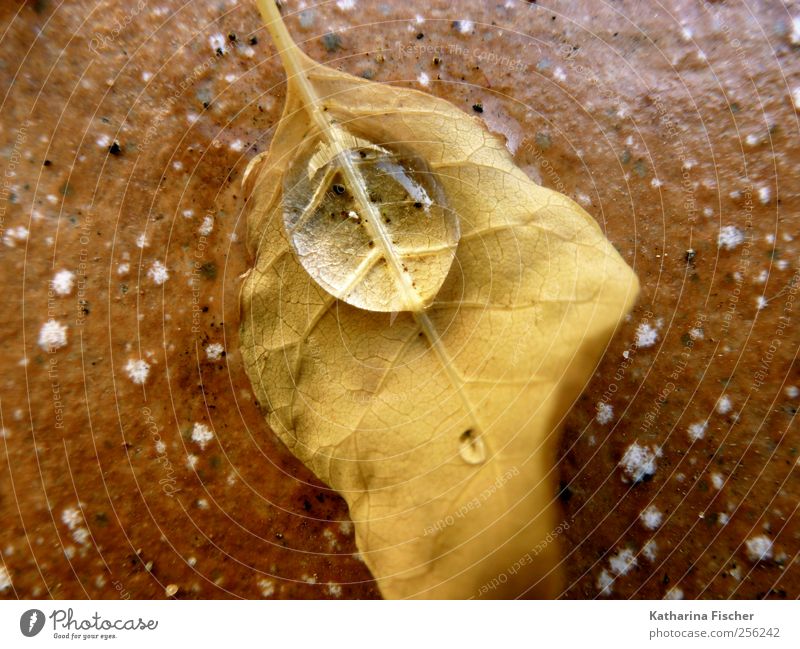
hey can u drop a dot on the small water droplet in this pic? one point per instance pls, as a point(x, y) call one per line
point(471, 447)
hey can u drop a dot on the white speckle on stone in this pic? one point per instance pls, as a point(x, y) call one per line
point(191, 461)
point(345, 5)
point(794, 37)
point(646, 335)
point(123, 269)
point(759, 548)
point(697, 430)
point(333, 542)
point(752, 139)
point(137, 370)
point(656, 183)
point(717, 480)
point(237, 146)
point(792, 391)
point(605, 413)
point(464, 26)
point(5, 579)
point(622, 562)
point(15, 235)
point(346, 527)
point(761, 302)
point(419, 19)
point(423, 79)
point(764, 194)
point(559, 75)
point(796, 98)
point(651, 517)
point(63, 282)
point(674, 593)
point(583, 199)
point(696, 333)
point(267, 587)
point(202, 503)
point(201, 435)
point(52, 335)
point(207, 226)
point(73, 519)
point(686, 34)
point(782, 264)
point(763, 276)
point(724, 405)
point(650, 550)
point(161, 447)
point(81, 535)
point(729, 237)
point(605, 582)
point(217, 42)
point(334, 590)
point(141, 241)
point(146, 76)
point(723, 518)
point(158, 272)
point(639, 462)
point(214, 351)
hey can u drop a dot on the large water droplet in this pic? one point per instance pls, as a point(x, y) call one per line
point(471, 447)
point(384, 245)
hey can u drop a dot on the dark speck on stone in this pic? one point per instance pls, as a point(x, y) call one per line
point(331, 42)
point(232, 37)
point(253, 40)
point(47, 163)
point(564, 493)
point(420, 36)
point(209, 270)
point(115, 149)
point(478, 108)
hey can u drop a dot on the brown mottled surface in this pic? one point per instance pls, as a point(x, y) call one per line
point(665, 123)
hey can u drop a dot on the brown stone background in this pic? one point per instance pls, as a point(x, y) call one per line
point(668, 121)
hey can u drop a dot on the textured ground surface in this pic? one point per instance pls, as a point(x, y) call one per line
point(133, 459)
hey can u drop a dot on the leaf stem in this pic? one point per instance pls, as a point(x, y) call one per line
point(297, 66)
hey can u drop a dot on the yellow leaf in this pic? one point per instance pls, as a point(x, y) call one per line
point(437, 426)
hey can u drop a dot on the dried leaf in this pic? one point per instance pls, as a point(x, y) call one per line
point(439, 426)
